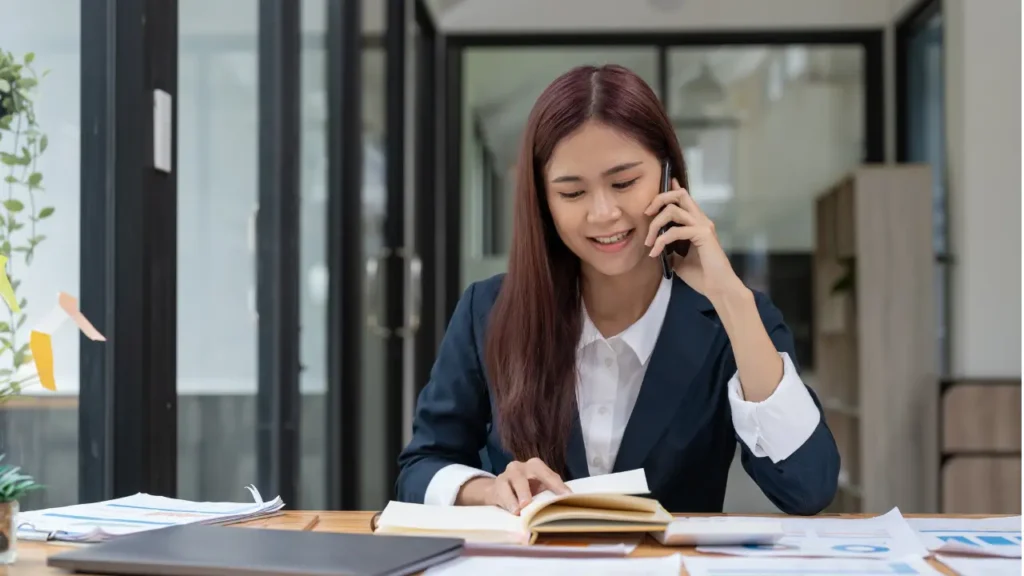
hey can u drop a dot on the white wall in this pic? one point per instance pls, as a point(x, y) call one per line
point(983, 96)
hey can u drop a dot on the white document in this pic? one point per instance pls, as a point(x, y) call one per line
point(99, 521)
point(977, 566)
point(996, 536)
point(711, 566)
point(547, 551)
point(505, 566)
point(720, 531)
point(887, 537)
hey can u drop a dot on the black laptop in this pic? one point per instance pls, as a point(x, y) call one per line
point(194, 550)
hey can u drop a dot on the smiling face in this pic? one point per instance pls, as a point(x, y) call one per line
point(598, 183)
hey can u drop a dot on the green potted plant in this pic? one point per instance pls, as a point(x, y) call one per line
point(13, 486)
point(22, 142)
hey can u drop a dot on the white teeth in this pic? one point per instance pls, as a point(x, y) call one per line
point(612, 239)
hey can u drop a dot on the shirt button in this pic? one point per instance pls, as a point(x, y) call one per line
point(596, 461)
point(602, 410)
point(608, 362)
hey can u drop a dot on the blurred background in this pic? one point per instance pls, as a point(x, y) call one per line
point(340, 171)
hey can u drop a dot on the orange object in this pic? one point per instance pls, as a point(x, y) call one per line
point(42, 354)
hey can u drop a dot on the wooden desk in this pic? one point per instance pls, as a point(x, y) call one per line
point(32, 555)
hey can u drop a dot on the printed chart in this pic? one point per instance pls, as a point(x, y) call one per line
point(706, 566)
point(887, 537)
point(997, 536)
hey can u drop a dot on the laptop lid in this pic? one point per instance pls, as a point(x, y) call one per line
point(194, 550)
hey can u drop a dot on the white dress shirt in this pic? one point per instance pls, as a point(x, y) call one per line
point(611, 371)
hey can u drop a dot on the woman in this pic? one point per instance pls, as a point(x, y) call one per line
point(584, 359)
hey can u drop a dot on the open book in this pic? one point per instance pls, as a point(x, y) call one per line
point(608, 503)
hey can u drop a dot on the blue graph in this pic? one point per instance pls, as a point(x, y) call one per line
point(977, 538)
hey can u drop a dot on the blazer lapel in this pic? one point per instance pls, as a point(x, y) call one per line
point(679, 354)
point(576, 453)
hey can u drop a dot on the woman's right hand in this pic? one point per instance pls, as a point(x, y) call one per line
point(514, 488)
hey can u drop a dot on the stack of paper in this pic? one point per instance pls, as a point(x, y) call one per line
point(708, 566)
point(101, 521)
point(885, 537)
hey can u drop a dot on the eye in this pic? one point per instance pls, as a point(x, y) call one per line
point(625, 185)
point(571, 195)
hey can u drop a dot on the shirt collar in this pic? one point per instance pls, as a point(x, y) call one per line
point(640, 336)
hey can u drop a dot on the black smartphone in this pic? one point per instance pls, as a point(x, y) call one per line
point(680, 247)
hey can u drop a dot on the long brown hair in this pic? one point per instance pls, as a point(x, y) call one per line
point(535, 324)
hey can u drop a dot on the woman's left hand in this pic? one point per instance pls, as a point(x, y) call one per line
point(706, 264)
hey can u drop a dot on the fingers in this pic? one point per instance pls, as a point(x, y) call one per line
point(521, 486)
point(537, 469)
point(506, 498)
point(678, 195)
point(671, 213)
point(671, 235)
point(513, 490)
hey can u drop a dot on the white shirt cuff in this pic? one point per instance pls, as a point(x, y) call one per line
point(445, 485)
point(780, 424)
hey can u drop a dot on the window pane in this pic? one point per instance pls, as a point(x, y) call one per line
point(313, 258)
point(765, 130)
point(217, 194)
point(39, 431)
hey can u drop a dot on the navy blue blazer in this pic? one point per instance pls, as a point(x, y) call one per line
point(680, 431)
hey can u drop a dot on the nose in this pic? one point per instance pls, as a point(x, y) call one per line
point(604, 207)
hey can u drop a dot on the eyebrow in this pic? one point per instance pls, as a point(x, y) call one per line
point(608, 172)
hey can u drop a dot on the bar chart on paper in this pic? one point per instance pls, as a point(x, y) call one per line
point(886, 537)
point(708, 566)
point(996, 536)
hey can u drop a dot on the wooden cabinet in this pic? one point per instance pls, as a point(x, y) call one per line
point(981, 439)
point(875, 337)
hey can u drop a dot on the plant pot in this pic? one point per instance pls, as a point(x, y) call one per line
point(8, 532)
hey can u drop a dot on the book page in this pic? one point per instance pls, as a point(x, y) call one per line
point(632, 482)
point(449, 518)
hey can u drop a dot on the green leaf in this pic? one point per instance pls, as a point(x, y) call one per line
point(34, 179)
point(21, 321)
point(30, 57)
point(36, 239)
point(13, 205)
point(43, 142)
point(5, 248)
point(10, 179)
point(26, 84)
point(5, 86)
point(23, 304)
point(9, 159)
point(4, 327)
point(46, 212)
